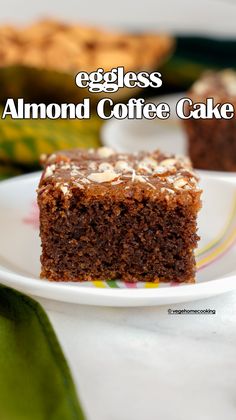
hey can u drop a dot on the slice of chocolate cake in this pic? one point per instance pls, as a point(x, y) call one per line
point(212, 143)
point(107, 215)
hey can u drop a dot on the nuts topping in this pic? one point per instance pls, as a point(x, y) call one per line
point(77, 184)
point(147, 165)
point(64, 188)
point(85, 181)
point(100, 177)
point(168, 190)
point(229, 79)
point(145, 169)
point(93, 166)
point(105, 166)
point(117, 182)
point(160, 170)
point(168, 162)
point(200, 87)
point(49, 171)
point(179, 183)
point(148, 162)
point(51, 158)
point(123, 166)
point(74, 172)
point(105, 152)
point(138, 178)
point(169, 174)
point(65, 166)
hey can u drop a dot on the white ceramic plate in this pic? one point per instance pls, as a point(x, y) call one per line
point(20, 251)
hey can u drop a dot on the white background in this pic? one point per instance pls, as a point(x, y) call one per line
point(202, 16)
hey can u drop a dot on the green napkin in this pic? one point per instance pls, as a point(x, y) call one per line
point(35, 381)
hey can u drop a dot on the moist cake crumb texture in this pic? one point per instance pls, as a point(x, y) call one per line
point(107, 215)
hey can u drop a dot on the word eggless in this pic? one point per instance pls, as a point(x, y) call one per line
point(112, 81)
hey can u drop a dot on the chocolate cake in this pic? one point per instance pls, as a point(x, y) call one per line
point(107, 215)
point(212, 143)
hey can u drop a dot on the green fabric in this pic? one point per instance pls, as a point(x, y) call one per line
point(22, 141)
point(35, 382)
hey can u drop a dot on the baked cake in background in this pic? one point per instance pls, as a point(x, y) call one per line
point(212, 143)
point(50, 50)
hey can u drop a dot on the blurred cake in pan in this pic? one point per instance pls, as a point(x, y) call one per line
point(53, 48)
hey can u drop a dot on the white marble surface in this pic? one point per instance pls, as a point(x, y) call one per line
point(143, 364)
